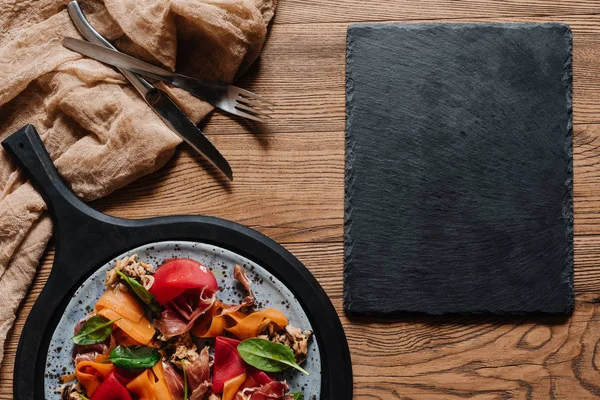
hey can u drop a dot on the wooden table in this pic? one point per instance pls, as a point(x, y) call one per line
point(289, 178)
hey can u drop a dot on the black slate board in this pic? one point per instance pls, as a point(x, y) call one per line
point(459, 169)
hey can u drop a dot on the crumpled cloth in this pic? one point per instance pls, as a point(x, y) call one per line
point(97, 129)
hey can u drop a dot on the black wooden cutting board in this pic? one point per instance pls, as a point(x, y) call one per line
point(459, 169)
point(86, 239)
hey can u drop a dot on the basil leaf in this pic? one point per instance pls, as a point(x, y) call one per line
point(143, 294)
point(297, 396)
point(95, 330)
point(268, 356)
point(134, 357)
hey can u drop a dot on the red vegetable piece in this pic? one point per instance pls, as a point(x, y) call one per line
point(233, 342)
point(228, 363)
point(111, 389)
point(124, 376)
point(178, 275)
point(260, 377)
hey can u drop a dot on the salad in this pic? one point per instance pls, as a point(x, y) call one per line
point(163, 334)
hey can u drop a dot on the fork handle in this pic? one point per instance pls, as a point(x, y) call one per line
point(87, 31)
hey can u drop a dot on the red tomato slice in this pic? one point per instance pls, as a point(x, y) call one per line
point(177, 275)
point(111, 389)
point(228, 363)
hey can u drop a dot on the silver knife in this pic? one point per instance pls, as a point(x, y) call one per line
point(158, 100)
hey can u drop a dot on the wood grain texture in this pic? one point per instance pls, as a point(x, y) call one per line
point(289, 185)
point(286, 186)
point(312, 11)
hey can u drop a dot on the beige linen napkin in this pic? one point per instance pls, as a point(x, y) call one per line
point(99, 132)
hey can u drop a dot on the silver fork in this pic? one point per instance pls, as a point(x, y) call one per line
point(229, 98)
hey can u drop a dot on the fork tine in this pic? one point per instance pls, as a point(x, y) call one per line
point(257, 113)
point(248, 94)
point(254, 108)
point(254, 104)
point(240, 113)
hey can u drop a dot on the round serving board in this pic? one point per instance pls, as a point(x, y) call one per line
point(87, 242)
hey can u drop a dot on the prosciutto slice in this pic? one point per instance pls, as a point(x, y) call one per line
point(174, 381)
point(91, 356)
point(240, 275)
point(271, 391)
point(182, 312)
point(201, 391)
point(198, 372)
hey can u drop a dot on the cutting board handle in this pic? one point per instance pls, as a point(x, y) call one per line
point(26, 147)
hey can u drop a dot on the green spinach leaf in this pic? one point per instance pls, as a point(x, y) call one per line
point(134, 357)
point(268, 356)
point(297, 396)
point(95, 330)
point(143, 294)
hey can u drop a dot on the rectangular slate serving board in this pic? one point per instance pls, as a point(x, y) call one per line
point(459, 169)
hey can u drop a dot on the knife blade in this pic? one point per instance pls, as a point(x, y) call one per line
point(179, 123)
point(158, 100)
